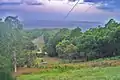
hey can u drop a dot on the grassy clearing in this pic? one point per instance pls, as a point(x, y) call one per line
point(101, 69)
point(108, 73)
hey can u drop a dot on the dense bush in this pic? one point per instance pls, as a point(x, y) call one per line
point(5, 75)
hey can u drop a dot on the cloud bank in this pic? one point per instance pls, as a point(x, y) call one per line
point(109, 5)
point(57, 9)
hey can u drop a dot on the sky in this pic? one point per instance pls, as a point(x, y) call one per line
point(86, 10)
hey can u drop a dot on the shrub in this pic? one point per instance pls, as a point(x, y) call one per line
point(5, 75)
point(38, 61)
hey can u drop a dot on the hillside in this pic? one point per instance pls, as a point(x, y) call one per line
point(39, 42)
point(37, 35)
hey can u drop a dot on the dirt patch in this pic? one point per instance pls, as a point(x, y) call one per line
point(21, 71)
point(50, 60)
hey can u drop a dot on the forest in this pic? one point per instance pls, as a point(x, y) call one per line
point(99, 42)
point(18, 50)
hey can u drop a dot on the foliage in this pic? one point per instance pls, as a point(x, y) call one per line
point(10, 30)
point(59, 36)
point(96, 42)
point(35, 33)
point(5, 75)
point(75, 32)
point(5, 63)
point(65, 47)
point(38, 61)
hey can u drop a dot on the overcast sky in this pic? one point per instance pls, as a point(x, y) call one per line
point(87, 10)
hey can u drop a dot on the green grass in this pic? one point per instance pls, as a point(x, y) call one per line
point(100, 69)
point(108, 73)
point(109, 58)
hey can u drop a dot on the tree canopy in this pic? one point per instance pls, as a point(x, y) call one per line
point(99, 42)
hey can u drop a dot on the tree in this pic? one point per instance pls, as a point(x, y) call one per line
point(65, 47)
point(75, 32)
point(15, 26)
point(53, 41)
point(5, 51)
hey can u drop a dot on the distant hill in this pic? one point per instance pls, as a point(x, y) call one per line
point(59, 24)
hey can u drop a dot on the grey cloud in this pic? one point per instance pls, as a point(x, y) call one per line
point(32, 2)
point(109, 5)
point(10, 2)
point(19, 2)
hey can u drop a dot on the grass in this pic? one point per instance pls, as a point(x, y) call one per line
point(108, 73)
point(101, 69)
point(109, 58)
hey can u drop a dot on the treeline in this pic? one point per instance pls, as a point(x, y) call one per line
point(99, 42)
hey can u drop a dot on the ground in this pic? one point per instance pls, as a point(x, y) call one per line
point(108, 73)
point(33, 70)
point(92, 70)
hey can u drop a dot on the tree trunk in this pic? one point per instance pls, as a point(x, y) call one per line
point(86, 57)
point(15, 62)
